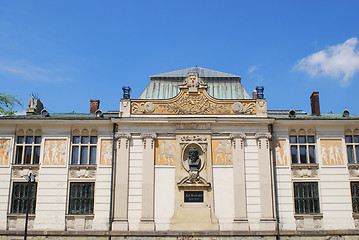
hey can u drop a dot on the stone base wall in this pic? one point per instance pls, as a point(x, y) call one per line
point(177, 235)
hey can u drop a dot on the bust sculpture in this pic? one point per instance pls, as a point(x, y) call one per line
point(194, 163)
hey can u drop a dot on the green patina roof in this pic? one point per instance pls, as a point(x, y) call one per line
point(64, 116)
point(220, 85)
point(305, 116)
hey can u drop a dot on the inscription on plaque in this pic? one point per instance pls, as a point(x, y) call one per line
point(193, 196)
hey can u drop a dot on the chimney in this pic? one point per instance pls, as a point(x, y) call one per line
point(94, 105)
point(255, 94)
point(314, 101)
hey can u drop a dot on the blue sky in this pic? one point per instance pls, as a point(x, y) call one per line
point(69, 52)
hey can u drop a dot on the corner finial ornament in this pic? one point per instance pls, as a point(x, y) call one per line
point(192, 82)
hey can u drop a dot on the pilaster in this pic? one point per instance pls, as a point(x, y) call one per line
point(239, 179)
point(267, 221)
point(148, 179)
point(120, 221)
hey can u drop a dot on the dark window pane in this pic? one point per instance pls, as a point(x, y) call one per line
point(306, 198)
point(38, 140)
point(302, 139)
point(357, 153)
point(19, 197)
point(84, 140)
point(356, 139)
point(27, 155)
point(84, 155)
point(350, 153)
point(29, 140)
point(303, 154)
point(93, 140)
point(312, 154)
point(20, 139)
point(93, 155)
point(355, 196)
point(76, 140)
point(81, 198)
point(75, 155)
point(293, 139)
point(348, 139)
point(294, 152)
point(36, 155)
point(310, 139)
point(18, 157)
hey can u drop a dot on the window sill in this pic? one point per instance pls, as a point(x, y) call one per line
point(19, 215)
point(82, 171)
point(79, 215)
point(301, 215)
point(305, 165)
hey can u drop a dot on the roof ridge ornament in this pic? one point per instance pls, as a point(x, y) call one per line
point(193, 82)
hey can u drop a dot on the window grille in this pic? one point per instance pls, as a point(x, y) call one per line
point(27, 150)
point(355, 196)
point(306, 198)
point(302, 149)
point(84, 150)
point(19, 197)
point(352, 142)
point(81, 199)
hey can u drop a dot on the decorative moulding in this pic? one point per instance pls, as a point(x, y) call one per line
point(240, 135)
point(122, 135)
point(79, 222)
point(82, 171)
point(148, 135)
point(263, 135)
point(305, 170)
point(353, 170)
point(20, 171)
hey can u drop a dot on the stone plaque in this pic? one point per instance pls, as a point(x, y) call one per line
point(193, 196)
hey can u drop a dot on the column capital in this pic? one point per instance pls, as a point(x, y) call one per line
point(263, 135)
point(148, 135)
point(119, 135)
point(240, 135)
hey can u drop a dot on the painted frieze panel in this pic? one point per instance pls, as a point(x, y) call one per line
point(188, 103)
point(222, 153)
point(281, 152)
point(106, 152)
point(55, 152)
point(165, 152)
point(332, 151)
point(5, 148)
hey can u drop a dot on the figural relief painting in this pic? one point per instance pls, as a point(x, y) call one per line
point(165, 152)
point(5, 147)
point(281, 152)
point(222, 152)
point(55, 152)
point(106, 152)
point(332, 151)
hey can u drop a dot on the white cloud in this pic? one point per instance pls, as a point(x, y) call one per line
point(31, 72)
point(339, 62)
point(252, 74)
point(253, 68)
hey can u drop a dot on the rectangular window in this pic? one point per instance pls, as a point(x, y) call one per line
point(84, 150)
point(19, 197)
point(27, 150)
point(306, 198)
point(355, 196)
point(81, 198)
point(352, 142)
point(302, 149)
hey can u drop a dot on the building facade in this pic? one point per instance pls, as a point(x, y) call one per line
point(195, 156)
